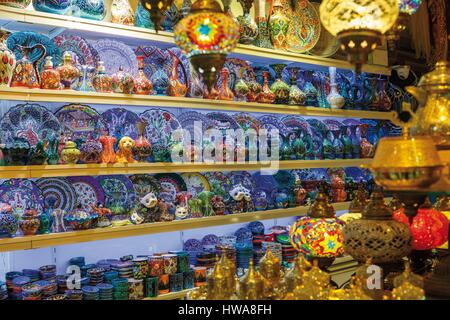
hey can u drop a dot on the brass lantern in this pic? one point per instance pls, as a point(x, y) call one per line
point(206, 35)
point(157, 10)
point(377, 235)
point(359, 25)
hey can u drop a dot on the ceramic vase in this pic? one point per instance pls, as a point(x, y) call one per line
point(263, 38)
point(122, 82)
point(21, 4)
point(278, 26)
point(142, 148)
point(85, 81)
point(29, 223)
point(101, 81)
point(247, 26)
point(121, 12)
point(347, 143)
point(196, 88)
point(225, 93)
point(160, 81)
point(142, 85)
point(367, 149)
point(241, 89)
point(90, 151)
point(254, 90)
point(68, 72)
point(309, 89)
point(296, 95)
point(327, 146)
point(338, 146)
point(70, 154)
point(50, 78)
point(45, 222)
point(175, 88)
point(142, 17)
point(356, 143)
point(384, 102)
point(266, 95)
point(7, 60)
point(8, 221)
point(279, 87)
point(53, 6)
point(25, 73)
point(108, 154)
point(335, 100)
point(89, 9)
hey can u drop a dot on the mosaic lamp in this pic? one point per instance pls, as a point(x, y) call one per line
point(429, 226)
point(359, 25)
point(318, 235)
point(206, 35)
point(157, 10)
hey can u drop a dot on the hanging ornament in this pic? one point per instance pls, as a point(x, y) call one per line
point(157, 10)
point(206, 36)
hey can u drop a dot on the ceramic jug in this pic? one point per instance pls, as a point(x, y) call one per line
point(7, 60)
point(25, 73)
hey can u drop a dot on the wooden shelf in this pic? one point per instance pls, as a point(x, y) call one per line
point(66, 170)
point(63, 238)
point(71, 96)
point(172, 295)
point(53, 24)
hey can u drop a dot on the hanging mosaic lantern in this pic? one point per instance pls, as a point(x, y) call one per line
point(157, 10)
point(206, 36)
point(318, 235)
point(359, 25)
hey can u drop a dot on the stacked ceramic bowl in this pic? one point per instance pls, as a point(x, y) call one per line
point(120, 289)
point(95, 276)
point(31, 291)
point(124, 268)
point(48, 272)
point(34, 275)
point(74, 294)
point(90, 293)
point(17, 284)
point(105, 291)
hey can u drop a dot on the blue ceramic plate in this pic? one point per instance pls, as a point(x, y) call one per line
point(21, 194)
point(256, 227)
point(118, 190)
point(243, 235)
point(88, 190)
point(210, 239)
point(192, 245)
point(121, 122)
point(58, 193)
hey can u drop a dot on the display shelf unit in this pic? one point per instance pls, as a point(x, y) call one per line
point(66, 170)
point(63, 238)
point(53, 24)
point(71, 96)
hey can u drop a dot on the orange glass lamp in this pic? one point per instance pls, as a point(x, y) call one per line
point(429, 227)
point(318, 235)
point(206, 35)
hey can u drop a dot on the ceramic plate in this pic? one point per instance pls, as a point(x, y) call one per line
point(154, 58)
point(82, 53)
point(119, 190)
point(244, 178)
point(58, 193)
point(21, 194)
point(239, 69)
point(144, 184)
point(171, 184)
point(115, 54)
point(271, 122)
point(247, 121)
point(192, 245)
point(294, 123)
point(210, 240)
point(284, 179)
point(80, 122)
point(195, 183)
point(256, 227)
point(223, 121)
point(243, 235)
point(88, 191)
point(265, 182)
point(333, 125)
point(32, 122)
point(161, 124)
point(304, 27)
point(195, 122)
point(327, 44)
point(121, 122)
point(220, 183)
point(30, 39)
